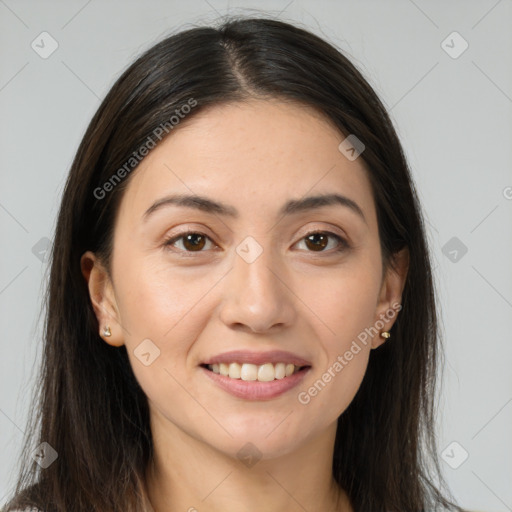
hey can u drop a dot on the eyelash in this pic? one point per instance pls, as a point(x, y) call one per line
point(342, 243)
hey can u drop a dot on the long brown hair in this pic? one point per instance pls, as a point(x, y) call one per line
point(89, 406)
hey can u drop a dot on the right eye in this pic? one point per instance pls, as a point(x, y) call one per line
point(191, 241)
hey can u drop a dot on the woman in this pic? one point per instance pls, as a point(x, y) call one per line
point(241, 313)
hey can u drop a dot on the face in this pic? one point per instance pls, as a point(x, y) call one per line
point(257, 272)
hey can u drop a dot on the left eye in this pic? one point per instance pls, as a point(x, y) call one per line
point(318, 241)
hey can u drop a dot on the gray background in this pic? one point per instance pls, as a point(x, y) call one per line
point(453, 116)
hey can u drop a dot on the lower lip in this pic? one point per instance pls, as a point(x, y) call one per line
point(254, 389)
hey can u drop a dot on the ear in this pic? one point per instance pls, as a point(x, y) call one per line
point(103, 299)
point(390, 297)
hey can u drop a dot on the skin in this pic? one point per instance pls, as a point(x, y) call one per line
point(252, 156)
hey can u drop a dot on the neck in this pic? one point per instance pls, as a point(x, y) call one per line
point(190, 475)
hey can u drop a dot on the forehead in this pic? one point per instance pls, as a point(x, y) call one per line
point(254, 155)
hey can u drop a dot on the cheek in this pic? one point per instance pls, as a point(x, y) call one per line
point(330, 389)
point(162, 315)
point(344, 300)
point(346, 304)
point(155, 301)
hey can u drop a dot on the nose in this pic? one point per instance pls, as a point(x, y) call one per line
point(257, 296)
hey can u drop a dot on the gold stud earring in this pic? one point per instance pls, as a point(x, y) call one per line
point(106, 331)
point(385, 334)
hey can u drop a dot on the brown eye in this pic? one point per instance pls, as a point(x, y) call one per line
point(320, 240)
point(190, 242)
point(317, 241)
point(194, 242)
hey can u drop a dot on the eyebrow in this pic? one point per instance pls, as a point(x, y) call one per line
point(291, 207)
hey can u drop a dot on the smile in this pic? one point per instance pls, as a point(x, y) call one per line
point(255, 382)
point(249, 372)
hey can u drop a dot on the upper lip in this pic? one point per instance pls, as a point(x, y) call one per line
point(258, 358)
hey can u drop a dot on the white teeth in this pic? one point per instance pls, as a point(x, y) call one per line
point(263, 373)
point(266, 372)
point(234, 370)
point(249, 372)
point(280, 370)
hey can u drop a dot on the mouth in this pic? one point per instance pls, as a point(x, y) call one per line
point(251, 381)
point(248, 372)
